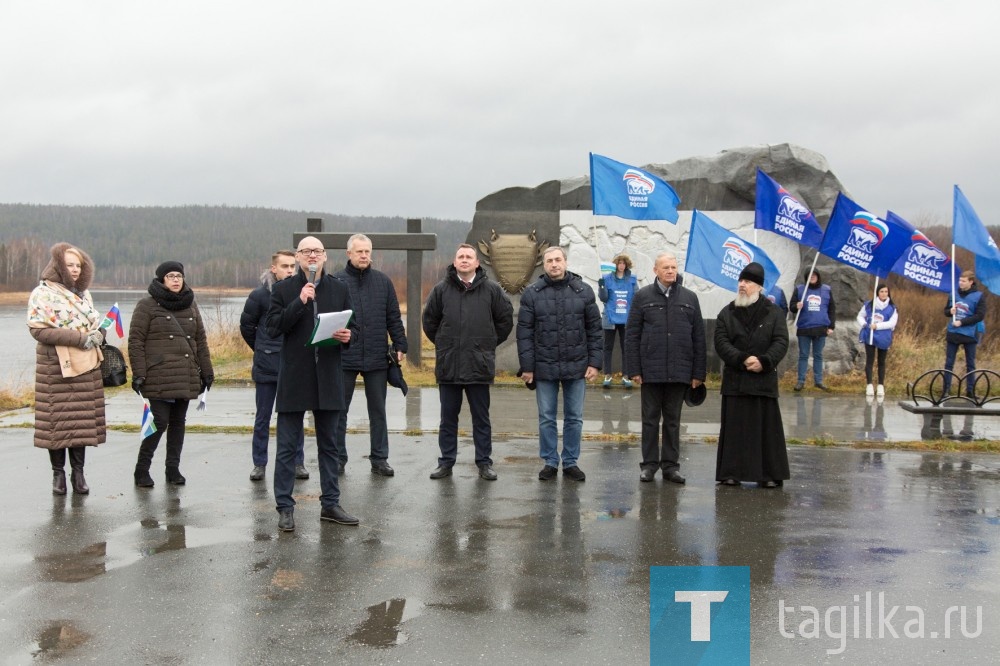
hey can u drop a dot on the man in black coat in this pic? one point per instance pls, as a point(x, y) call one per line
point(309, 378)
point(266, 352)
point(467, 316)
point(376, 312)
point(665, 354)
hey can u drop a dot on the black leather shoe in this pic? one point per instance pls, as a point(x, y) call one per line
point(441, 472)
point(548, 473)
point(729, 482)
point(286, 520)
point(382, 468)
point(647, 474)
point(58, 482)
point(301, 472)
point(574, 473)
point(257, 473)
point(335, 514)
point(486, 472)
point(674, 477)
point(823, 387)
point(142, 478)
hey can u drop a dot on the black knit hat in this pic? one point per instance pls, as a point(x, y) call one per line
point(753, 272)
point(169, 267)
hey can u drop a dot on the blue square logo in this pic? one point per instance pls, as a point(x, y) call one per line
point(699, 615)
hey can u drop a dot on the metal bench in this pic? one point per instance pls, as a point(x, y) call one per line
point(938, 394)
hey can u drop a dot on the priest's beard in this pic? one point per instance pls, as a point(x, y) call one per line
point(746, 300)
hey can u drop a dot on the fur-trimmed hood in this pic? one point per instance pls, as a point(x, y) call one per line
point(267, 279)
point(56, 270)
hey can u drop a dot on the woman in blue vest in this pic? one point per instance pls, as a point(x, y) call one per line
point(965, 315)
point(816, 321)
point(616, 291)
point(877, 320)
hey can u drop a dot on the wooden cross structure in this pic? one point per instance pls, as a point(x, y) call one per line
point(414, 242)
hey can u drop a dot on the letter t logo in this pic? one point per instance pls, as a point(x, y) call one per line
point(701, 610)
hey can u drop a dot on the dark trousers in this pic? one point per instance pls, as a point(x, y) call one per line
point(77, 456)
point(609, 346)
point(170, 416)
point(950, 353)
point(870, 353)
point(266, 392)
point(662, 400)
point(478, 396)
point(289, 435)
point(376, 382)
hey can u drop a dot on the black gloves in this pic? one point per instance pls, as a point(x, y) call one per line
point(600, 282)
point(206, 382)
point(137, 383)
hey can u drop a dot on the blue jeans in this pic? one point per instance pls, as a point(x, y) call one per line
point(478, 396)
point(289, 434)
point(950, 352)
point(376, 382)
point(817, 345)
point(547, 397)
point(266, 391)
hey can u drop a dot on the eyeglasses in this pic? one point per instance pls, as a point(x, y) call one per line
point(173, 276)
point(312, 252)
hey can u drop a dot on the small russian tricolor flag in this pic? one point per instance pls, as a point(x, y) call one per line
point(114, 315)
point(148, 426)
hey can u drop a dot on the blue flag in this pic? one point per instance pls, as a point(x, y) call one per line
point(780, 212)
point(858, 238)
point(970, 232)
point(924, 262)
point(631, 193)
point(719, 255)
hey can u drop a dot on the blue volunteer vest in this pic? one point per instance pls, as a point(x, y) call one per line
point(883, 338)
point(815, 307)
point(966, 307)
point(620, 293)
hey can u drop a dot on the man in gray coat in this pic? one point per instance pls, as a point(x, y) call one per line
point(665, 355)
point(467, 316)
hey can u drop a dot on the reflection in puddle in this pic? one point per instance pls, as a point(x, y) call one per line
point(56, 639)
point(125, 546)
point(381, 628)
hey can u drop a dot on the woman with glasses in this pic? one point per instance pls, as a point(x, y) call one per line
point(168, 351)
point(69, 392)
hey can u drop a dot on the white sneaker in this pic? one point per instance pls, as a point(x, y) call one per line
point(881, 391)
point(607, 380)
point(870, 390)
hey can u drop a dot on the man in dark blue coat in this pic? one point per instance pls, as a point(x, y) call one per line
point(376, 312)
point(467, 316)
point(309, 378)
point(665, 355)
point(559, 345)
point(266, 352)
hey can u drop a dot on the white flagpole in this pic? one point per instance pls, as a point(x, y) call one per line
point(954, 285)
point(871, 320)
point(805, 289)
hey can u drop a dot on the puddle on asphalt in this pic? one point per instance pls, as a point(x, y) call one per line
point(53, 642)
point(126, 546)
point(382, 626)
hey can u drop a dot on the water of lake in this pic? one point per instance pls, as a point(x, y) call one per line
point(17, 361)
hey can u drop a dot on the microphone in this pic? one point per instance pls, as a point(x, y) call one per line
point(312, 275)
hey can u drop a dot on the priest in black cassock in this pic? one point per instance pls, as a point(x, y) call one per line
point(751, 337)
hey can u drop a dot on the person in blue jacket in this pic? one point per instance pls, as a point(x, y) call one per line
point(816, 321)
point(777, 296)
point(616, 291)
point(877, 320)
point(968, 310)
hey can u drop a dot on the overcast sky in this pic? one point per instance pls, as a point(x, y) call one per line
point(420, 109)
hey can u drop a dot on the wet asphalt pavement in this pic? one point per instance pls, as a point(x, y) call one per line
point(519, 571)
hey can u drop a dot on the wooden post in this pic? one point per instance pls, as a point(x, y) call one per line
point(414, 301)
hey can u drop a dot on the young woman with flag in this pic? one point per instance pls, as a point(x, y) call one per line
point(616, 290)
point(69, 391)
point(877, 319)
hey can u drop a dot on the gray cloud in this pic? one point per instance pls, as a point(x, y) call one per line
point(420, 109)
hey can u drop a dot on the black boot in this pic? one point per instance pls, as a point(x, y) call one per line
point(58, 459)
point(175, 477)
point(145, 459)
point(77, 455)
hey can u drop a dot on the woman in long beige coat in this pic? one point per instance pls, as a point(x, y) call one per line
point(69, 392)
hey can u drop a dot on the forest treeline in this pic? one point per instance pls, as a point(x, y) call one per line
point(220, 246)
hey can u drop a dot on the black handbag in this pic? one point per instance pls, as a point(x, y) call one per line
point(113, 368)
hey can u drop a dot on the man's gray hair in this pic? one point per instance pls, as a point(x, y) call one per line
point(665, 255)
point(555, 248)
point(358, 237)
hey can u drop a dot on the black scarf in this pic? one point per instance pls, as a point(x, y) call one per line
point(169, 300)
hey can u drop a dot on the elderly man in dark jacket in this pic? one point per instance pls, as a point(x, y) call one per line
point(665, 354)
point(376, 312)
point(467, 316)
point(309, 378)
point(559, 343)
point(751, 338)
point(266, 352)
